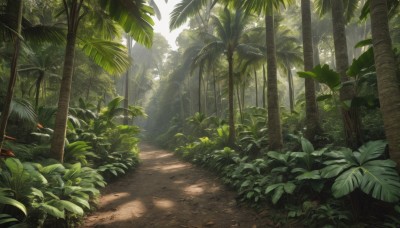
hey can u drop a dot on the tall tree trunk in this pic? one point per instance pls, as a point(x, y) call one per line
point(291, 89)
point(60, 126)
point(38, 84)
point(231, 139)
point(256, 85)
point(239, 103)
point(351, 118)
point(215, 91)
point(126, 101)
point(274, 122)
point(243, 95)
point(199, 91)
point(264, 87)
point(388, 83)
point(312, 118)
point(15, 8)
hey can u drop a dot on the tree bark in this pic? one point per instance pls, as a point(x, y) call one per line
point(231, 139)
point(16, 8)
point(274, 122)
point(388, 83)
point(126, 101)
point(312, 118)
point(60, 127)
point(215, 91)
point(199, 89)
point(291, 89)
point(256, 85)
point(351, 118)
point(264, 87)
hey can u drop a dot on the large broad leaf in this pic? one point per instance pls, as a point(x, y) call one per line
point(323, 74)
point(109, 55)
point(134, 16)
point(14, 203)
point(381, 180)
point(347, 182)
point(365, 61)
point(371, 150)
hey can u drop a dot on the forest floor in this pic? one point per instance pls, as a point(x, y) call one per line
point(167, 192)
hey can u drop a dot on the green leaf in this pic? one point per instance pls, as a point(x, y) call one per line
point(381, 180)
point(306, 146)
point(277, 194)
point(347, 182)
point(15, 166)
point(52, 210)
point(289, 187)
point(371, 150)
point(109, 55)
point(323, 74)
point(14, 203)
point(359, 65)
point(334, 170)
point(80, 201)
point(272, 187)
point(133, 16)
point(71, 207)
point(312, 175)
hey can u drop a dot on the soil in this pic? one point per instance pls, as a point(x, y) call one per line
point(167, 192)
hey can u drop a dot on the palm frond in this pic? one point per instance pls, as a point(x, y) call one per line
point(109, 55)
point(183, 10)
point(134, 16)
point(44, 33)
point(23, 110)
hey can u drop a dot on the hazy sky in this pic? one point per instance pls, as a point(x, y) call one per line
point(163, 25)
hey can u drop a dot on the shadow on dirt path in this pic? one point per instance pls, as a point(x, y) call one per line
point(166, 192)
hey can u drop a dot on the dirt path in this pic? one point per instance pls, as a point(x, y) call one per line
point(166, 192)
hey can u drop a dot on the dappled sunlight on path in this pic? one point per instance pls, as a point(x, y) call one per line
point(166, 192)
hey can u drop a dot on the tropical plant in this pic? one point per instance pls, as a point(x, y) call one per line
point(364, 169)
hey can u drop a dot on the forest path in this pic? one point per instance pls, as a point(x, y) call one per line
point(167, 192)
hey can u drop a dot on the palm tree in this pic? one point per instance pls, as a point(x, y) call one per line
point(132, 15)
point(274, 123)
point(351, 118)
point(388, 83)
point(14, 8)
point(312, 118)
point(343, 11)
point(229, 28)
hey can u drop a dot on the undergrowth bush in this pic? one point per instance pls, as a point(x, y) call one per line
point(313, 187)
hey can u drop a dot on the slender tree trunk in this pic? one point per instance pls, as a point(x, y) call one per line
point(60, 127)
point(312, 118)
point(388, 83)
point(256, 85)
point(239, 103)
point(264, 87)
point(243, 95)
point(126, 101)
point(351, 118)
point(17, 8)
point(199, 91)
point(291, 89)
point(231, 121)
point(215, 91)
point(274, 122)
point(37, 92)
